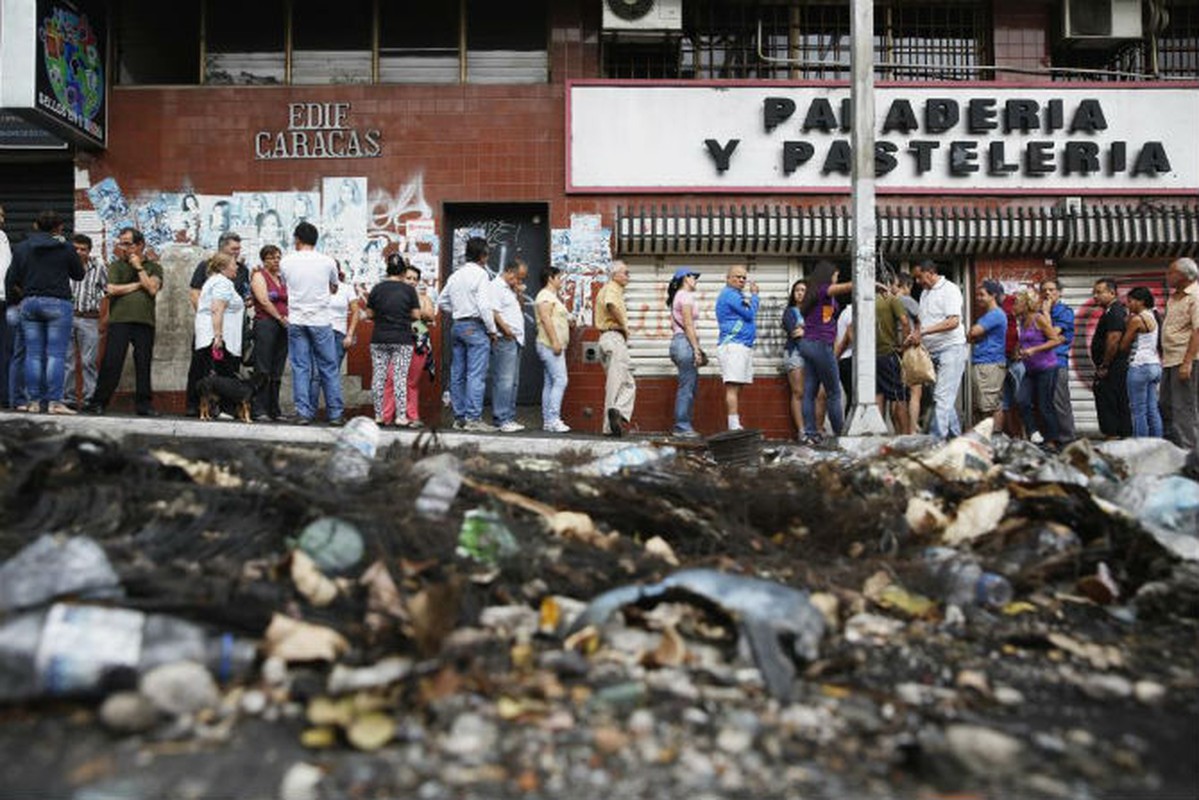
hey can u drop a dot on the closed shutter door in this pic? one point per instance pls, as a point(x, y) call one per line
point(29, 187)
point(1077, 281)
point(649, 318)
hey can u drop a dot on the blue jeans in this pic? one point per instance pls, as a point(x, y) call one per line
point(1039, 385)
point(314, 390)
point(683, 356)
point(17, 396)
point(309, 344)
point(951, 366)
point(505, 379)
point(820, 369)
point(468, 370)
point(554, 387)
point(46, 326)
point(1143, 382)
point(1011, 384)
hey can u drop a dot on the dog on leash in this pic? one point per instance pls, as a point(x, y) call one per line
point(216, 389)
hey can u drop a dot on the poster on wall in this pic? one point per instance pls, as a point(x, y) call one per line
point(71, 81)
point(344, 224)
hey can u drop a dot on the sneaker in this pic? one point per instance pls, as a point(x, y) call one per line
point(263, 418)
point(459, 424)
point(689, 433)
point(557, 426)
point(511, 426)
point(478, 426)
point(337, 422)
point(303, 420)
point(93, 408)
point(225, 416)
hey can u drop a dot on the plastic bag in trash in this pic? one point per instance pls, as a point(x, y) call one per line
point(1167, 507)
point(50, 568)
point(765, 614)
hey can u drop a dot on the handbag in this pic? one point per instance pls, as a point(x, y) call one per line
point(916, 366)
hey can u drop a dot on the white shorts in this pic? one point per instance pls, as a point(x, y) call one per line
point(736, 363)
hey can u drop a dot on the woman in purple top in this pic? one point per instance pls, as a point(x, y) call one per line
point(819, 310)
point(1038, 338)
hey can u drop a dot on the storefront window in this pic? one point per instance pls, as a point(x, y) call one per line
point(244, 43)
point(331, 42)
point(153, 47)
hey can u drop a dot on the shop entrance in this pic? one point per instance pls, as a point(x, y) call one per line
point(513, 230)
point(28, 187)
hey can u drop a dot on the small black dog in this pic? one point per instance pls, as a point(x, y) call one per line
point(216, 389)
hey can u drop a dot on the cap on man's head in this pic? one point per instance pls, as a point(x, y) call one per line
point(683, 272)
point(994, 288)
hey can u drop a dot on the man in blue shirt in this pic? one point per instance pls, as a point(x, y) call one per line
point(736, 310)
point(1062, 317)
point(988, 360)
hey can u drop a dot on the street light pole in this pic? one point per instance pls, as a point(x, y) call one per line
point(864, 416)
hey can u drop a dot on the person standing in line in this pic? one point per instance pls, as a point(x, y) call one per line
point(736, 320)
point(270, 332)
point(467, 299)
point(508, 345)
point(819, 310)
point(915, 392)
point(942, 332)
point(228, 244)
point(553, 334)
point(393, 304)
point(133, 286)
point(988, 357)
point(1111, 366)
point(87, 297)
point(891, 327)
point(1180, 349)
point(1144, 364)
point(685, 351)
point(1038, 339)
point(612, 319)
point(1062, 317)
point(422, 348)
point(343, 317)
point(219, 324)
point(843, 352)
point(41, 272)
point(311, 278)
point(6, 332)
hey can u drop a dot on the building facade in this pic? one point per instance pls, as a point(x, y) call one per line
point(1016, 141)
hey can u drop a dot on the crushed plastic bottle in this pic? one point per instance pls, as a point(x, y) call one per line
point(354, 451)
point(71, 649)
point(485, 538)
point(443, 473)
point(49, 568)
point(626, 458)
point(960, 581)
point(333, 544)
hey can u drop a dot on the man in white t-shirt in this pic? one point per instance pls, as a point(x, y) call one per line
point(510, 341)
point(942, 332)
point(467, 297)
point(311, 279)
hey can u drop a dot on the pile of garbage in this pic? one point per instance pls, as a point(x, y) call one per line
point(894, 617)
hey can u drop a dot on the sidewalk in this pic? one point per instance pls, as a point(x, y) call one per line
point(529, 442)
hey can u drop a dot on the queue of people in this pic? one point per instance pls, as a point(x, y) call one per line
point(297, 309)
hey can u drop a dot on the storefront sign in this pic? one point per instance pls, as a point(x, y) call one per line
point(977, 139)
point(53, 66)
point(318, 130)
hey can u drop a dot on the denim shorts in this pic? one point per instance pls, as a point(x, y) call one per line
point(792, 360)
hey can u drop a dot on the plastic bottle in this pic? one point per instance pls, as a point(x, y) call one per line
point(485, 538)
point(444, 473)
point(49, 568)
point(633, 457)
point(354, 451)
point(70, 649)
point(959, 579)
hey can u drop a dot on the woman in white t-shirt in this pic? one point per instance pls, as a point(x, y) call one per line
point(1144, 364)
point(220, 314)
point(685, 351)
point(553, 335)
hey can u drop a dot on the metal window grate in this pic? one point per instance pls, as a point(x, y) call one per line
point(941, 41)
point(1178, 44)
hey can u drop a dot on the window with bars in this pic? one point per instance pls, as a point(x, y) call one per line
point(1173, 52)
point(810, 40)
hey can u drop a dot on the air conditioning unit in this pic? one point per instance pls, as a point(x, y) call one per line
point(1101, 20)
point(643, 15)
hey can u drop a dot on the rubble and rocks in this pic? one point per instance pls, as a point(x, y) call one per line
point(453, 625)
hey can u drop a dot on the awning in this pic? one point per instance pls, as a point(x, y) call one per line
point(1149, 230)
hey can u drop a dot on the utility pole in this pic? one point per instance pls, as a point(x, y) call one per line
point(864, 416)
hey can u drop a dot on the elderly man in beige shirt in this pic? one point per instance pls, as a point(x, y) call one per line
point(612, 319)
point(1180, 349)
